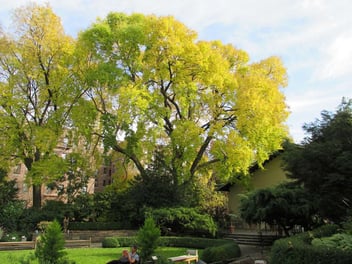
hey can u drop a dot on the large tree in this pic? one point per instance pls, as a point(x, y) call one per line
point(156, 87)
point(323, 163)
point(37, 93)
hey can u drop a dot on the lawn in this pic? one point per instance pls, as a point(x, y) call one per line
point(86, 255)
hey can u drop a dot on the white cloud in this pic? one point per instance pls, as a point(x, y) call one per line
point(337, 59)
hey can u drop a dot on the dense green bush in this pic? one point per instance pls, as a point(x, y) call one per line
point(227, 251)
point(113, 242)
point(339, 241)
point(183, 220)
point(298, 249)
point(168, 241)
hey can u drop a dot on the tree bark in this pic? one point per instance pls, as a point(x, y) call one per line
point(37, 196)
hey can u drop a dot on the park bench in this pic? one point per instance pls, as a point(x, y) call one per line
point(191, 255)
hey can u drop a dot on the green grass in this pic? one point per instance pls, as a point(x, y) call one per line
point(87, 255)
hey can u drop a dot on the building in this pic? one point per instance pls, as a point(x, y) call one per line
point(272, 175)
point(25, 190)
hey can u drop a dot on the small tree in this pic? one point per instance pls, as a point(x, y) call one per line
point(50, 246)
point(147, 238)
point(286, 205)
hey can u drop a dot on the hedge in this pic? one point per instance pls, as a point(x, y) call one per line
point(169, 241)
point(96, 226)
point(225, 252)
point(214, 249)
point(298, 249)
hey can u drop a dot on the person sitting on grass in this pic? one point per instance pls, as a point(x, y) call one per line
point(127, 257)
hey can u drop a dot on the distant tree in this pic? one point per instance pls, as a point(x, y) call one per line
point(75, 180)
point(323, 163)
point(285, 205)
point(37, 94)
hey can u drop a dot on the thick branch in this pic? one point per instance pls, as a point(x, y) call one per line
point(200, 154)
point(130, 156)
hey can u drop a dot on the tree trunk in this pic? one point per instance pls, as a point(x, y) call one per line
point(37, 196)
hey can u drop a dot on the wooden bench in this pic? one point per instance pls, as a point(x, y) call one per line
point(17, 245)
point(191, 255)
point(78, 243)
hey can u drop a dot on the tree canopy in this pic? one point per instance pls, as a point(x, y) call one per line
point(38, 93)
point(155, 86)
point(323, 163)
point(140, 84)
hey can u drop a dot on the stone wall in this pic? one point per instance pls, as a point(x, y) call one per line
point(97, 236)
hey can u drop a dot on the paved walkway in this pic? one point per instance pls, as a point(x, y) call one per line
point(251, 253)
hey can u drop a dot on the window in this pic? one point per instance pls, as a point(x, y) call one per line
point(25, 187)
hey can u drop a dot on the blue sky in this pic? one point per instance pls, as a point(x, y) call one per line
point(312, 37)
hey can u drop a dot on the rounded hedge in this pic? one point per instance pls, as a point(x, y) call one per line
point(298, 249)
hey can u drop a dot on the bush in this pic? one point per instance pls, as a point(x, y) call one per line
point(11, 237)
point(10, 214)
point(50, 246)
point(339, 241)
point(298, 249)
point(113, 242)
point(183, 220)
point(167, 241)
point(224, 252)
point(147, 238)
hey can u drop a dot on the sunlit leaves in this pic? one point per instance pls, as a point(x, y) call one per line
point(202, 102)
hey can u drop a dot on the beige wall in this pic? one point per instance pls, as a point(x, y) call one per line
point(270, 176)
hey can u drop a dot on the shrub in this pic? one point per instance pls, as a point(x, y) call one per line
point(11, 237)
point(340, 241)
point(10, 214)
point(50, 246)
point(298, 249)
point(112, 242)
point(224, 252)
point(182, 220)
point(168, 241)
point(147, 238)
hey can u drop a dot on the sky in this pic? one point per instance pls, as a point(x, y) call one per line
point(312, 37)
